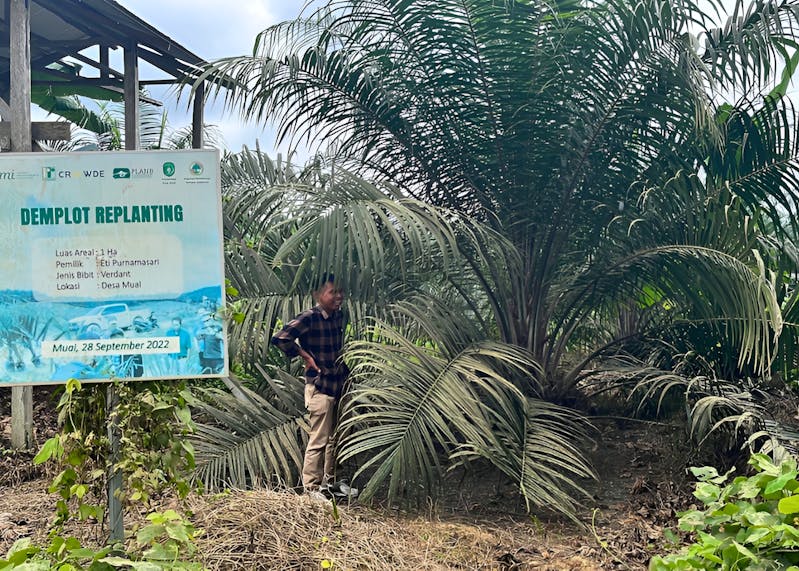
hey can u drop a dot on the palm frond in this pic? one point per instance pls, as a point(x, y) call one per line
point(759, 151)
point(541, 448)
point(415, 403)
point(737, 300)
point(744, 50)
point(247, 441)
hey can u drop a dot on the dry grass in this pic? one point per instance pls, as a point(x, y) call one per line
point(27, 510)
point(276, 530)
point(472, 529)
point(262, 530)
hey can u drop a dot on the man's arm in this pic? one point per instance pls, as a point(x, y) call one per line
point(287, 340)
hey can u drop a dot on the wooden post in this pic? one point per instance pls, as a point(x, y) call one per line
point(20, 96)
point(131, 97)
point(104, 61)
point(22, 417)
point(116, 523)
point(20, 76)
point(197, 131)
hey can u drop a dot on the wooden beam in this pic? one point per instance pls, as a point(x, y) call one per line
point(159, 81)
point(101, 66)
point(104, 63)
point(40, 131)
point(20, 76)
point(198, 117)
point(20, 80)
point(109, 82)
point(131, 97)
point(165, 64)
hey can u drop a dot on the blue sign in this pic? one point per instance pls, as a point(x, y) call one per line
point(111, 266)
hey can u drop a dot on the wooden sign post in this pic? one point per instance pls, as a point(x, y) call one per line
point(21, 141)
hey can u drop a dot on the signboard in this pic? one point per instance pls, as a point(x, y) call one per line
point(111, 266)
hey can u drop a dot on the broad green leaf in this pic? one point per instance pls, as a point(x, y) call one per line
point(178, 532)
point(749, 489)
point(51, 448)
point(746, 552)
point(159, 552)
point(778, 483)
point(705, 473)
point(789, 505)
point(149, 533)
point(707, 492)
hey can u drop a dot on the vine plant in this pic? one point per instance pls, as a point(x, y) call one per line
point(153, 419)
point(751, 522)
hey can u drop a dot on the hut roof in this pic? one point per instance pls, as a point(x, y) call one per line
point(64, 28)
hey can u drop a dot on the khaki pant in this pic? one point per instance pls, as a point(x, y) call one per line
point(319, 463)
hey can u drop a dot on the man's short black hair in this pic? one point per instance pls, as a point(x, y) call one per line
point(327, 278)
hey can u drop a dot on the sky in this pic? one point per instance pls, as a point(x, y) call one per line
point(212, 29)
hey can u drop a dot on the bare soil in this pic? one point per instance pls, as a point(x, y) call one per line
point(480, 523)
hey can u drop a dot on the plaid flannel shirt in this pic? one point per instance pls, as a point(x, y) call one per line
point(322, 336)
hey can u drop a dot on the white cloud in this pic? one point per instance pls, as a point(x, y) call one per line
point(212, 28)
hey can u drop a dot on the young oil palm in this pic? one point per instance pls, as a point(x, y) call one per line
point(518, 136)
point(542, 120)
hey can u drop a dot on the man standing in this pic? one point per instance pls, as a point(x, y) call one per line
point(183, 336)
point(317, 335)
point(125, 366)
point(211, 344)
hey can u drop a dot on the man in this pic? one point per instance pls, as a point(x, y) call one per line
point(184, 343)
point(317, 335)
point(211, 345)
point(178, 331)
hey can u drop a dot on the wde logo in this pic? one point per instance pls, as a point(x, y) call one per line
point(168, 169)
point(121, 173)
point(196, 169)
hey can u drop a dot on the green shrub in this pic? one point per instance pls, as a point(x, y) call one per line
point(750, 523)
point(154, 455)
point(162, 545)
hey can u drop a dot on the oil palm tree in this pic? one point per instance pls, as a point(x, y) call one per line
point(525, 135)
